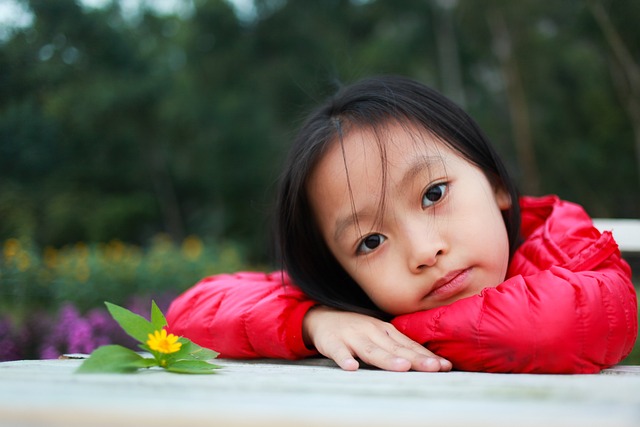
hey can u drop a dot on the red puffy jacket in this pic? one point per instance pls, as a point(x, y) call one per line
point(567, 306)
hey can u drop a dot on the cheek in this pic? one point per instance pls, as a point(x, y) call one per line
point(490, 243)
point(379, 285)
point(501, 252)
point(390, 292)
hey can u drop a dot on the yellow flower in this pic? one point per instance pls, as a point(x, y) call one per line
point(83, 272)
point(163, 343)
point(11, 248)
point(192, 248)
point(50, 257)
point(115, 250)
point(24, 261)
point(82, 250)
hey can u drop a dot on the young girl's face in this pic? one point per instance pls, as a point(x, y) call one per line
point(438, 237)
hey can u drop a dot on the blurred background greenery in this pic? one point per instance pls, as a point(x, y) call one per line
point(135, 135)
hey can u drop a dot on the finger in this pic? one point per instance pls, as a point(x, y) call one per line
point(340, 354)
point(431, 364)
point(420, 357)
point(375, 355)
point(348, 364)
point(404, 341)
point(418, 361)
point(344, 353)
point(377, 348)
point(422, 362)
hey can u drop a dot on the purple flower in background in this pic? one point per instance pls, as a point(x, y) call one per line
point(9, 346)
point(47, 335)
point(73, 333)
point(141, 304)
point(56, 342)
point(37, 326)
point(104, 328)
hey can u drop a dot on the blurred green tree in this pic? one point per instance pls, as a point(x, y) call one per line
point(115, 125)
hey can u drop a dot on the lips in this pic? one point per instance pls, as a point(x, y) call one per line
point(450, 284)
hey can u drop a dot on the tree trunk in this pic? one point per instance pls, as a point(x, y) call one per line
point(448, 53)
point(158, 169)
point(626, 75)
point(517, 102)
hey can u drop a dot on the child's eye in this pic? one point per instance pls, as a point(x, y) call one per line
point(434, 194)
point(370, 243)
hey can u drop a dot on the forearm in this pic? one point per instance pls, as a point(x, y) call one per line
point(247, 315)
point(554, 322)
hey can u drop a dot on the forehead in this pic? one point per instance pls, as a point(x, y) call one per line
point(357, 175)
point(371, 153)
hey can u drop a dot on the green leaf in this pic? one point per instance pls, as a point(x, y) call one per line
point(203, 353)
point(192, 367)
point(190, 359)
point(191, 350)
point(114, 359)
point(157, 318)
point(134, 325)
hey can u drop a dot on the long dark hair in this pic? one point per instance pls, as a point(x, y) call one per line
point(368, 104)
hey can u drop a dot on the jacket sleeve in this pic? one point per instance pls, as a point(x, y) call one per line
point(244, 315)
point(577, 318)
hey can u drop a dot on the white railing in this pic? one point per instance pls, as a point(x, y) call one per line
point(625, 231)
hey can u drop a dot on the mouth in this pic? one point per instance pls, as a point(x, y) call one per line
point(450, 284)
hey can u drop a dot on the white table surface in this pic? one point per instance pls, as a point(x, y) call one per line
point(311, 393)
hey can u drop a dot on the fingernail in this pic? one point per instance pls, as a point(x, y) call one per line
point(350, 364)
point(445, 364)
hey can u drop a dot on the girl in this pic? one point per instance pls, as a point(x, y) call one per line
point(405, 245)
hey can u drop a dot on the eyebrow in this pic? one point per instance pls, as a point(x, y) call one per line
point(344, 223)
point(417, 166)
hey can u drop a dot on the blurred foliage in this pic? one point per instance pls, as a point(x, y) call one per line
point(122, 126)
point(52, 298)
point(87, 275)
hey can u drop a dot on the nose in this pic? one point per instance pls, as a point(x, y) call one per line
point(425, 245)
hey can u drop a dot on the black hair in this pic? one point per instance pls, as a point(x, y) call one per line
point(371, 103)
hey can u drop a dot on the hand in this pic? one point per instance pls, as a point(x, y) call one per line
point(342, 336)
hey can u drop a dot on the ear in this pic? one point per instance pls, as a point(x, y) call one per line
point(503, 199)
